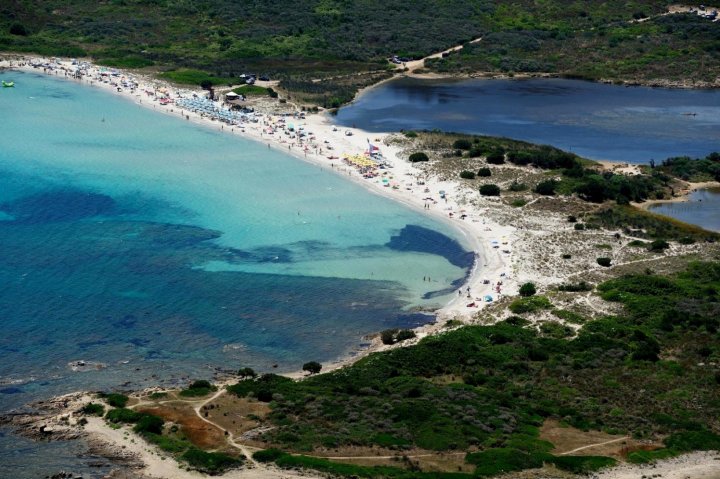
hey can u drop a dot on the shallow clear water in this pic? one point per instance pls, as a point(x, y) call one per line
point(598, 121)
point(163, 250)
point(702, 209)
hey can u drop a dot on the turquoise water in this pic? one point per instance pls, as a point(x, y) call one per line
point(702, 209)
point(598, 121)
point(164, 250)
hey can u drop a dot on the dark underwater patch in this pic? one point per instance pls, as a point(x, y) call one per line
point(424, 240)
point(58, 206)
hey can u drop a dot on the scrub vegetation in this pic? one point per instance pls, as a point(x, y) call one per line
point(508, 378)
point(323, 51)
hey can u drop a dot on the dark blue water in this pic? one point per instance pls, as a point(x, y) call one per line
point(702, 209)
point(598, 121)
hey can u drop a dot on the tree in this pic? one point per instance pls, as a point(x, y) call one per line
point(313, 367)
point(419, 156)
point(206, 85)
point(490, 190)
point(246, 373)
point(527, 289)
point(485, 172)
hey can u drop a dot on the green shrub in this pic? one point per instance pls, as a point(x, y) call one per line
point(198, 388)
point(579, 226)
point(546, 188)
point(246, 373)
point(388, 336)
point(693, 441)
point(123, 415)
point(313, 367)
point(530, 305)
point(490, 190)
point(467, 175)
point(605, 262)
point(643, 457)
point(268, 455)
point(210, 462)
point(484, 172)
point(503, 460)
point(496, 158)
point(569, 316)
point(419, 156)
point(166, 443)
point(515, 186)
point(528, 289)
point(658, 245)
point(158, 395)
point(462, 144)
point(115, 399)
point(582, 464)
point(410, 134)
point(518, 203)
point(93, 409)
point(638, 244)
point(404, 334)
point(149, 423)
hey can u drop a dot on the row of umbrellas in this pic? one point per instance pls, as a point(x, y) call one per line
point(209, 108)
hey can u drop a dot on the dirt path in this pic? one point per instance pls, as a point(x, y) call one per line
point(418, 64)
point(589, 446)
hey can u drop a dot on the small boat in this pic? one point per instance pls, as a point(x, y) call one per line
point(8, 84)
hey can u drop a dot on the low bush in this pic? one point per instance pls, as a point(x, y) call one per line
point(123, 415)
point(546, 188)
point(490, 190)
point(462, 144)
point(582, 464)
point(467, 175)
point(604, 262)
point(210, 462)
point(515, 186)
point(658, 245)
point(93, 409)
point(115, 399)
point(149, 424)
point(268, 455)
point(418, 157)
point(530, 305)
point(528, 289)
point(198, 388)
point(484, 172)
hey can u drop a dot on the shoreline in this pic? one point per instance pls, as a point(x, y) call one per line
point(411, 195)
point(477, 233)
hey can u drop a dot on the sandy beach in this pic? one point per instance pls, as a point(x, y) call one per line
point(481, 228)
point(478, 232)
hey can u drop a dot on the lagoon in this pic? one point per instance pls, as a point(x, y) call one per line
point(598, 121)
point(702, 208)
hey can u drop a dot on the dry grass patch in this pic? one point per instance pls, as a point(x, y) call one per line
point(237, 415)
point(197, 431)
